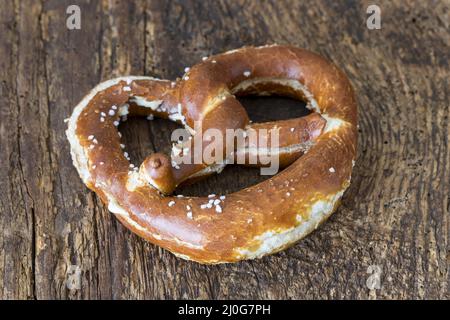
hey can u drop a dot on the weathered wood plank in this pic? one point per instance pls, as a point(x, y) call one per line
point(16, 204)
point(58, 240)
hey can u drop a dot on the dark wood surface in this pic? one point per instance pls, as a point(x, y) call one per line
point(58, 241)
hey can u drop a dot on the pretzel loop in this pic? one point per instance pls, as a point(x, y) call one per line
point(232, 227)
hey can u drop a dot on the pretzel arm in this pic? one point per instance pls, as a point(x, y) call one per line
point(295, 138)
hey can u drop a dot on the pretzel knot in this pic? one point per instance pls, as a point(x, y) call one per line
point(320, 150)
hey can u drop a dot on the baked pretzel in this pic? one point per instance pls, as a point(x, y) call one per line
point(229, 228)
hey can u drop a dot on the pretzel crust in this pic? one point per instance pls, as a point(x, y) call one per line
point(290, 204)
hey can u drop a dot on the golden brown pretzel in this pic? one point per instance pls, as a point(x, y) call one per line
point(233, 227)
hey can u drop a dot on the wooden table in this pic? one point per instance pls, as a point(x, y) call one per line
point(58, 241)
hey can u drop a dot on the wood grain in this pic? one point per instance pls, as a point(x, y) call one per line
point(58, 241)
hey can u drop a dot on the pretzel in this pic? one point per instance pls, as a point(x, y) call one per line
point(320, 149)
